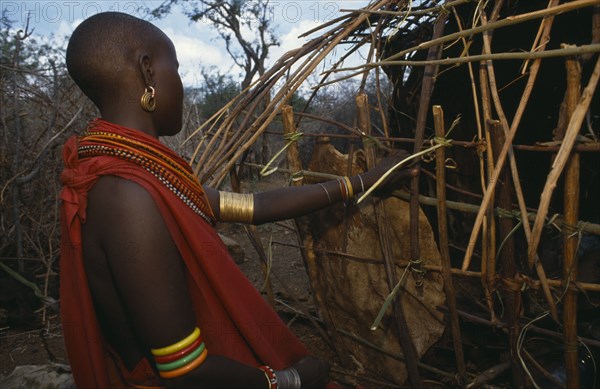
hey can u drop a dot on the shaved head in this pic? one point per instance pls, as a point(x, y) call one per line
point(102, 51)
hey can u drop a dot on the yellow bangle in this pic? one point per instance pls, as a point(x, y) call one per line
point(185, 369)
point(349, 186)
point(159, 352)
point(236, 207)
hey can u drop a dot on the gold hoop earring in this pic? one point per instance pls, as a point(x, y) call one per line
point(147, 101)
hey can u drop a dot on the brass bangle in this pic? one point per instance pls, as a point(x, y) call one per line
point(326, 192)
point(362, 184)
point(349, 187)
point(236, 207)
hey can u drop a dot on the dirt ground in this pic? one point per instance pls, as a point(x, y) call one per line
point(36, 345)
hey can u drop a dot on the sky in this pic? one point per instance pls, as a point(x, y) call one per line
point(197, 43)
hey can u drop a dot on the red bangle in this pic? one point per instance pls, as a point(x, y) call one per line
point(179, 354)
point(343, 191)
point(270, 374)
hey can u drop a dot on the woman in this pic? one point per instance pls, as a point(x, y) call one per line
point(149, 294)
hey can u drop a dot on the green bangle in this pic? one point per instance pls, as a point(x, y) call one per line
point(181, 362)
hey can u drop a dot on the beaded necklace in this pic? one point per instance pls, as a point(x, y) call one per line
point(105, 139)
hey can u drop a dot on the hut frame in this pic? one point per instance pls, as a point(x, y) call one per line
point(224, 140)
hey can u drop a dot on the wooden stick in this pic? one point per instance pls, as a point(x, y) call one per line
point(471, 208)
point(426, 92)
point(306, 241)
point(571, 51)
point(507, 257)
point(488, 249)
point(561, 159)
point(438, 118)
point(570, 239)
point(408, 348)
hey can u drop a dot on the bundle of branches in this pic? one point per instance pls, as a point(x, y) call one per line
point(232, 131)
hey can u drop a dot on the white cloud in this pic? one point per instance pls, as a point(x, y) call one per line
point(194, 52)
point(197, 43)
point(291, 39)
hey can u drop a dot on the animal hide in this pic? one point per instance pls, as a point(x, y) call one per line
point(350, 291)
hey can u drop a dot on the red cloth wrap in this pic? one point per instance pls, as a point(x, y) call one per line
point(235, 320)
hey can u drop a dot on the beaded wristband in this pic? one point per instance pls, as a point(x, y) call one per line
point(177, 346)
point(270, 375)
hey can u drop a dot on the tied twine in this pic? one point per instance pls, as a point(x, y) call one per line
point(296, 176)
point(291, 138)
point(418, 271)
point(370, 141)
point(436, 142)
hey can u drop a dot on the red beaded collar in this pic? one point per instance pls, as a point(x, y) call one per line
point(106, 139)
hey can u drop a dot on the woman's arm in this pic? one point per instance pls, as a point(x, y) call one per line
point(292, 202)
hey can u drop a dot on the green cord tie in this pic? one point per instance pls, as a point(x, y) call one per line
point(370, 141)
point(415, 267)
point(296, 176)
point(290, 138)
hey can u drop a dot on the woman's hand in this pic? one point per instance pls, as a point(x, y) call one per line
point(397, 177)
point(314, 373)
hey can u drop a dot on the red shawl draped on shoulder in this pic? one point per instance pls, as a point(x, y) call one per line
point(235, 320)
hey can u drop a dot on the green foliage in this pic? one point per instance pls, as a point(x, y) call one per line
point(218, 90)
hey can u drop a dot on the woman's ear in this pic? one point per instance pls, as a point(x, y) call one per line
point(145, 65)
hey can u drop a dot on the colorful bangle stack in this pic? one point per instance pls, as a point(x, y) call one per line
point(270, 375)
point(346, 189)
point(182, 357)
